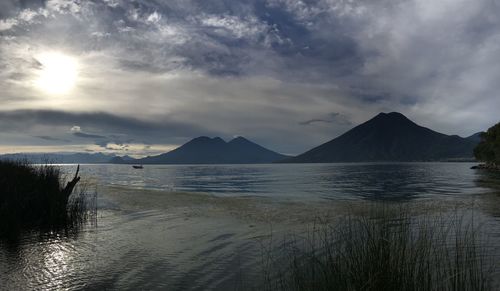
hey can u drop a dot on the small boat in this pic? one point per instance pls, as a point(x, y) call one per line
point(137, 167)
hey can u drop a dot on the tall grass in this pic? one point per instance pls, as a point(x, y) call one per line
point(389, 249)
point(34, 197)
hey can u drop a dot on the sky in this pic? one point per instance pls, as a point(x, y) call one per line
point(142, 77)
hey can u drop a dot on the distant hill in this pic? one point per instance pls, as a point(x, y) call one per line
point(390, 137)
point(205, 150)
point(61, 158)
point(122, 160)
point(476, 137)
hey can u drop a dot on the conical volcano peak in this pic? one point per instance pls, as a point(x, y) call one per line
point(207, 139)
point(218, 139)
point(240, 139)
point(390, 119)
point(389, 137)
point(391, 115)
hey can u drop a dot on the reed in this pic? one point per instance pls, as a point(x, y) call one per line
point(34, 197)
point(388, 249)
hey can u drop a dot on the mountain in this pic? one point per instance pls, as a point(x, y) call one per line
point(389, 137)
point(476, 137)
point(122, 160)
point(205, 150)
point(61, 158)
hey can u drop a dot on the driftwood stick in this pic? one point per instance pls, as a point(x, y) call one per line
point(71, 184)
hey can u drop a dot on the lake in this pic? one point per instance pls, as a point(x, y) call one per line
point(202, 227)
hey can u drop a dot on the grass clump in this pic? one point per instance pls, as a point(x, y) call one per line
point(386, 250)
point(34, 197)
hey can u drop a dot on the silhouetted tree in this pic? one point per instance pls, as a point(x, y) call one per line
point(488, 150)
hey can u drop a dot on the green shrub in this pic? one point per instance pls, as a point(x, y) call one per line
point(488, 150)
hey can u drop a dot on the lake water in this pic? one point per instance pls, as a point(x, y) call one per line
point(201, 227)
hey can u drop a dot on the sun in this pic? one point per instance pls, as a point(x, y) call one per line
point(58, 73)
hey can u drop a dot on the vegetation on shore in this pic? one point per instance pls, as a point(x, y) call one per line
point(386, 250)
point(488, 150)
point(33, 197)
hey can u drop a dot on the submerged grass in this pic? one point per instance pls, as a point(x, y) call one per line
point(33, 197)
point(388, 249)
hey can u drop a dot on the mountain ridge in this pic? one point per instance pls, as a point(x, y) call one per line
point(206, 150)
point(385, 137)
point(389, 137)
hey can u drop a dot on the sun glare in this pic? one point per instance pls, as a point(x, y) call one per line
point(58, 73)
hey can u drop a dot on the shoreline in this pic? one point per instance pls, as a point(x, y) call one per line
point(486, 166)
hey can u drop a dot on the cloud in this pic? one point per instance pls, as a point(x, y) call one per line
point(6, 24)
point(114, 126)
point(50, 138)
point(315, 120)
point(233, 26)
point(154, 17)
point(160, 72)
point(77, 131)
point(87, 135)
point(334, 117)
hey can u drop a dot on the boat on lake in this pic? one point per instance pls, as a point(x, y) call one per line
point(137, 167)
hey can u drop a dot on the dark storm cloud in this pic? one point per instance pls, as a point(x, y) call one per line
point(87, 135)
point(218, 37)
point(50, 138)
point(316, 120)
point(145, 131)
point(288, 40)
point(334, 117)
point(9, 8)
